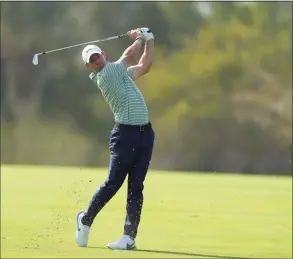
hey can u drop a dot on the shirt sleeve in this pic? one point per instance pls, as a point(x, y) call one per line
point(115, 70)
point(129, 72)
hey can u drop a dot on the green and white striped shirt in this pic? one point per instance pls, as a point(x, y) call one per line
point(120, 92)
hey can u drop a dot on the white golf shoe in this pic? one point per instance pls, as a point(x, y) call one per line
point(82, 231)
point(124, 243)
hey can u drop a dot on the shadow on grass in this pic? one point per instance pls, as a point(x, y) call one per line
point(176, 253)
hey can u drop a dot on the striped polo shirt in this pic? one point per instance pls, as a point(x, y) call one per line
point(120, 92)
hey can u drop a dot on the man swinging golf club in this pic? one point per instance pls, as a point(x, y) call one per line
point(132, 138)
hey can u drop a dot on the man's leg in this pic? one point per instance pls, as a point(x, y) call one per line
point(118, 167)
point(136, 175)
point(136, 179)
point(116, 177)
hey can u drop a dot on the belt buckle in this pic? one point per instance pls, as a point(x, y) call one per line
point(142, 128)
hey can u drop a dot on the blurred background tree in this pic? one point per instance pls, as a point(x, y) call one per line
point(219, 92)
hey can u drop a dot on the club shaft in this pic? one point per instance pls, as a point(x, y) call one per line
point(110, 38)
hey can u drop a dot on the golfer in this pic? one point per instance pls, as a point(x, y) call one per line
point(132, 138)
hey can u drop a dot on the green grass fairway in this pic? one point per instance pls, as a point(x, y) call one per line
point(184, 215)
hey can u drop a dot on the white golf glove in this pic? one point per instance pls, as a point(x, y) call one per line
point(147, 34)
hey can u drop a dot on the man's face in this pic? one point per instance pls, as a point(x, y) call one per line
point(97, 62)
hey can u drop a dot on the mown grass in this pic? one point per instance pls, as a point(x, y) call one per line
point(184, 215)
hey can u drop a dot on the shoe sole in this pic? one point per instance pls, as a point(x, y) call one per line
point(127, 249)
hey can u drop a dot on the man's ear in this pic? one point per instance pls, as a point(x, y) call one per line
point(104, 54)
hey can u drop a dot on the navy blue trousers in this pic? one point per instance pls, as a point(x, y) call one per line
point(131, 150)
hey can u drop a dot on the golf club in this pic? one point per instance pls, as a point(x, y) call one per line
point(36, 56)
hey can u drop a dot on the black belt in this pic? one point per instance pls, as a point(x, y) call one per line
point(138, 127)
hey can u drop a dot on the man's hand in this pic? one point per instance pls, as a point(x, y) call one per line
point(134, 34)
point(144, 33)
point(147, 34)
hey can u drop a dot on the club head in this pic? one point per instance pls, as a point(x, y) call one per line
point(36, 59)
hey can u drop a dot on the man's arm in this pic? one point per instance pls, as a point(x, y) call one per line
point(133, 50)
point(145, 62)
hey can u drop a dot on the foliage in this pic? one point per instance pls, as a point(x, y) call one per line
point(219, 92)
